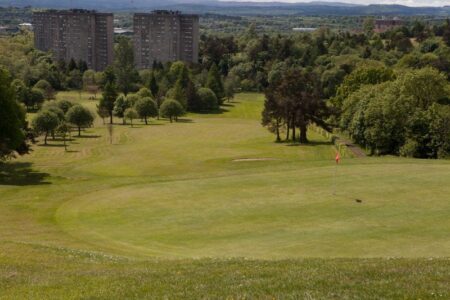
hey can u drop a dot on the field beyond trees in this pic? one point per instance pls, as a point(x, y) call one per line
point(210, 206)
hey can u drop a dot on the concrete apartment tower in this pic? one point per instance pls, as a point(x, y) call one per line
point(164, 36)
point(79, 34)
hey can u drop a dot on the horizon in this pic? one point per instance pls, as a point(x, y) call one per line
point(410, 3)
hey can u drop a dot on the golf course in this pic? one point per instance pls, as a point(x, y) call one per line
point(210, 206)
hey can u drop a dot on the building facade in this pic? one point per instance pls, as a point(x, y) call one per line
point(165, 36)
point(76, 34)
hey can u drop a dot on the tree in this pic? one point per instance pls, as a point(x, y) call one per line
point(63, 129)
point(82, 66)
point(132, 99)
point(12, 120)
point(36, 98)
point(80, 116)
point(102, 112)
point(144, 92)
point(64, 105)
point(89, 81)
point(72, 65)
point(446, 33)
point(120, 106)
point(21, 91)
point(191, 96)
point(53, 107)
point(207, 100)
point(298, 93)
point(214, 82)
point(229, 88)
point(154, 88)
point(171, 109)
point(46, 87)
point(109, 76)
point(178, 93)
point(272, 114)
point(108, 99)
point(45, 122)
point(369, 26)
point(124, 68)
point(75, 79)
point(146, 108)
point(131, 114)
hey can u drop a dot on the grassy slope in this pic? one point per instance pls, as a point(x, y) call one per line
point(175, 191)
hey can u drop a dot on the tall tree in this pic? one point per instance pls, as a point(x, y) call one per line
point(124, 66)
point(214, 82)
point(295, 98)
point(12, 119)
point(108, 98)
point(154, 88)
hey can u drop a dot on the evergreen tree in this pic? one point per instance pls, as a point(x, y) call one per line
point(154, 88)
point(108, 99)
point(72, 65)
point(214, 82)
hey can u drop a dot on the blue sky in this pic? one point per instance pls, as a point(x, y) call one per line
point(403, 2)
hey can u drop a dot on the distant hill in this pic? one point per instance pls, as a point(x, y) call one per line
point(235, 8)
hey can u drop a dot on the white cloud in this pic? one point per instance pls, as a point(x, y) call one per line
point(402, 2)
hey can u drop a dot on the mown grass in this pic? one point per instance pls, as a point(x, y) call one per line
point(212, 207)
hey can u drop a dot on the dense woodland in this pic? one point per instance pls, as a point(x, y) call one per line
point(389, 92)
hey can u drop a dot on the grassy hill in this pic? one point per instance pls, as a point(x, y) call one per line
point(211, 206)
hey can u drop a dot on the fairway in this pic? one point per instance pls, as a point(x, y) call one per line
point(214, 187)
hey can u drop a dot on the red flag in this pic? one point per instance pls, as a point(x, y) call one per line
point(338, 157)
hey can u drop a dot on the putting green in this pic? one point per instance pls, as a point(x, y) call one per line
point(273, 214)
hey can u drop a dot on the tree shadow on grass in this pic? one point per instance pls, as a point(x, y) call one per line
point(21, 174)
point(94, 136)
point(184, 120)
point(213, 112)
point(51, 145)
point(309, 144)
point(228, 104)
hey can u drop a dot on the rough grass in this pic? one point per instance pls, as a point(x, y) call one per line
point(190, 210)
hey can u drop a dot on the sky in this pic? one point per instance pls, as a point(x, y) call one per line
point(403, 2)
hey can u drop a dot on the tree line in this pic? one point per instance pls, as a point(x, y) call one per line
point(389, 92)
